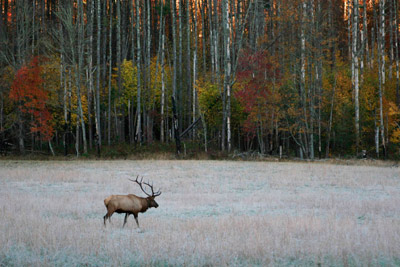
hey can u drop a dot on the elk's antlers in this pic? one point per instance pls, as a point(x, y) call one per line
point(156, 194)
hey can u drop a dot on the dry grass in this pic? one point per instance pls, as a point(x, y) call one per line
point(211, 213)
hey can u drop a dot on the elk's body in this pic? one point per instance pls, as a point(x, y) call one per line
point(130, 204)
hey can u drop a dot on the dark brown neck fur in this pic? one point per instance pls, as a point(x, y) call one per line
point(145, 204)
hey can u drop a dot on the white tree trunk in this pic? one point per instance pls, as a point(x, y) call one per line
point(90, 70)
point(162, 82)
point(138, 65)
point(382, 72)
point(355, 70)
point(110, 75)
point(194, 68)
point(78, 72)
point(227, 74)
point(173, 17)
point(396, 45)
point(303, 72)
point(97, 94)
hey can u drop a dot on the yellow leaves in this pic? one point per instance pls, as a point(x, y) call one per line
point(394, 119)
point(129, 82)
point(51, 79)
point(209, 95)
point(393, 109)
point(150, 88)
point(395, 137)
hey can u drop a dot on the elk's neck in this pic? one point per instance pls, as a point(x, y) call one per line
point(145, 204)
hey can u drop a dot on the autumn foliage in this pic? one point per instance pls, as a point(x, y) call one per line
point(28, 92)
point(257, 76)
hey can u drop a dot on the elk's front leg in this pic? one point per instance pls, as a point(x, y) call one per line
point(136, 219)
point(126, 218)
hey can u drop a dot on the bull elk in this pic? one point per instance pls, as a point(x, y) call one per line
point(131, 204)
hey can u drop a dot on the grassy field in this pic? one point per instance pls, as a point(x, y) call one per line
point(211, 213)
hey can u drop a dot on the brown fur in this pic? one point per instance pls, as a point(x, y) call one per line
point(128, 204)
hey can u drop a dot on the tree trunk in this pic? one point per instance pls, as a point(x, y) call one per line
point(2, 118)
point(78, 72)
point(382, 72)
point(211, 38)
point(51, 149)
point(21, 142)
point(33, 25)
point(133, 33)
point(227, 71)
point(319, 73)
point(376, 127)
point(173, 10)
point(138, 65)
point(330, 119)
point(179, 96)
point(396, 45)
point(63, 86)
point(303, 95)
point(98, 71)
point(90, 69)
point(162, 130)
point(118, 130)
point(188, 69)
point(203, 35)
point(349, 15)
point(355, 73)
point(110, 74)
point(391, 50)
point(194, 68)
point(149, 128)
point(312, 61)
point(77, 137)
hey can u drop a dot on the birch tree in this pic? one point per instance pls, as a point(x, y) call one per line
point(138, 66)
point(227, 71)
point(382, 71)
point(396, 48)
point(355, 71)
point(118, 130)
point(80, 47)
point(162, 130)
point(89, 69)
point(110, 71)
point(173, 14)
point(194, 66)
point(98, 71)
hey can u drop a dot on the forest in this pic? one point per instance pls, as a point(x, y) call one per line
point(296, 78)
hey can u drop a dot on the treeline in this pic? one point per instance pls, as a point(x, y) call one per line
point(305, 78)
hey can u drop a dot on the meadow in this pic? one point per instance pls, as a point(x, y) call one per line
point(210, 213)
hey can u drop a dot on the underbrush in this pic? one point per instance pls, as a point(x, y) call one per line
point(190, 150)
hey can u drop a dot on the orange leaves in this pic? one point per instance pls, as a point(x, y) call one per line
point(27, 90)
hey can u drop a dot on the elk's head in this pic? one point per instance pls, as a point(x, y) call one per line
point(150, 197)
point(152, 202)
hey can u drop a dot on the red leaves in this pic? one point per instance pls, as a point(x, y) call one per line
point(255, 75)
point(27, 90)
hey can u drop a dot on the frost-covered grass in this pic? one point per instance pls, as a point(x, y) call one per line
point(211, 213)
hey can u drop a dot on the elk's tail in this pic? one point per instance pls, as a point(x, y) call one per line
point(107, 200)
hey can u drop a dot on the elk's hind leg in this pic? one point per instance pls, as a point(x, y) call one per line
point(108, 216)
